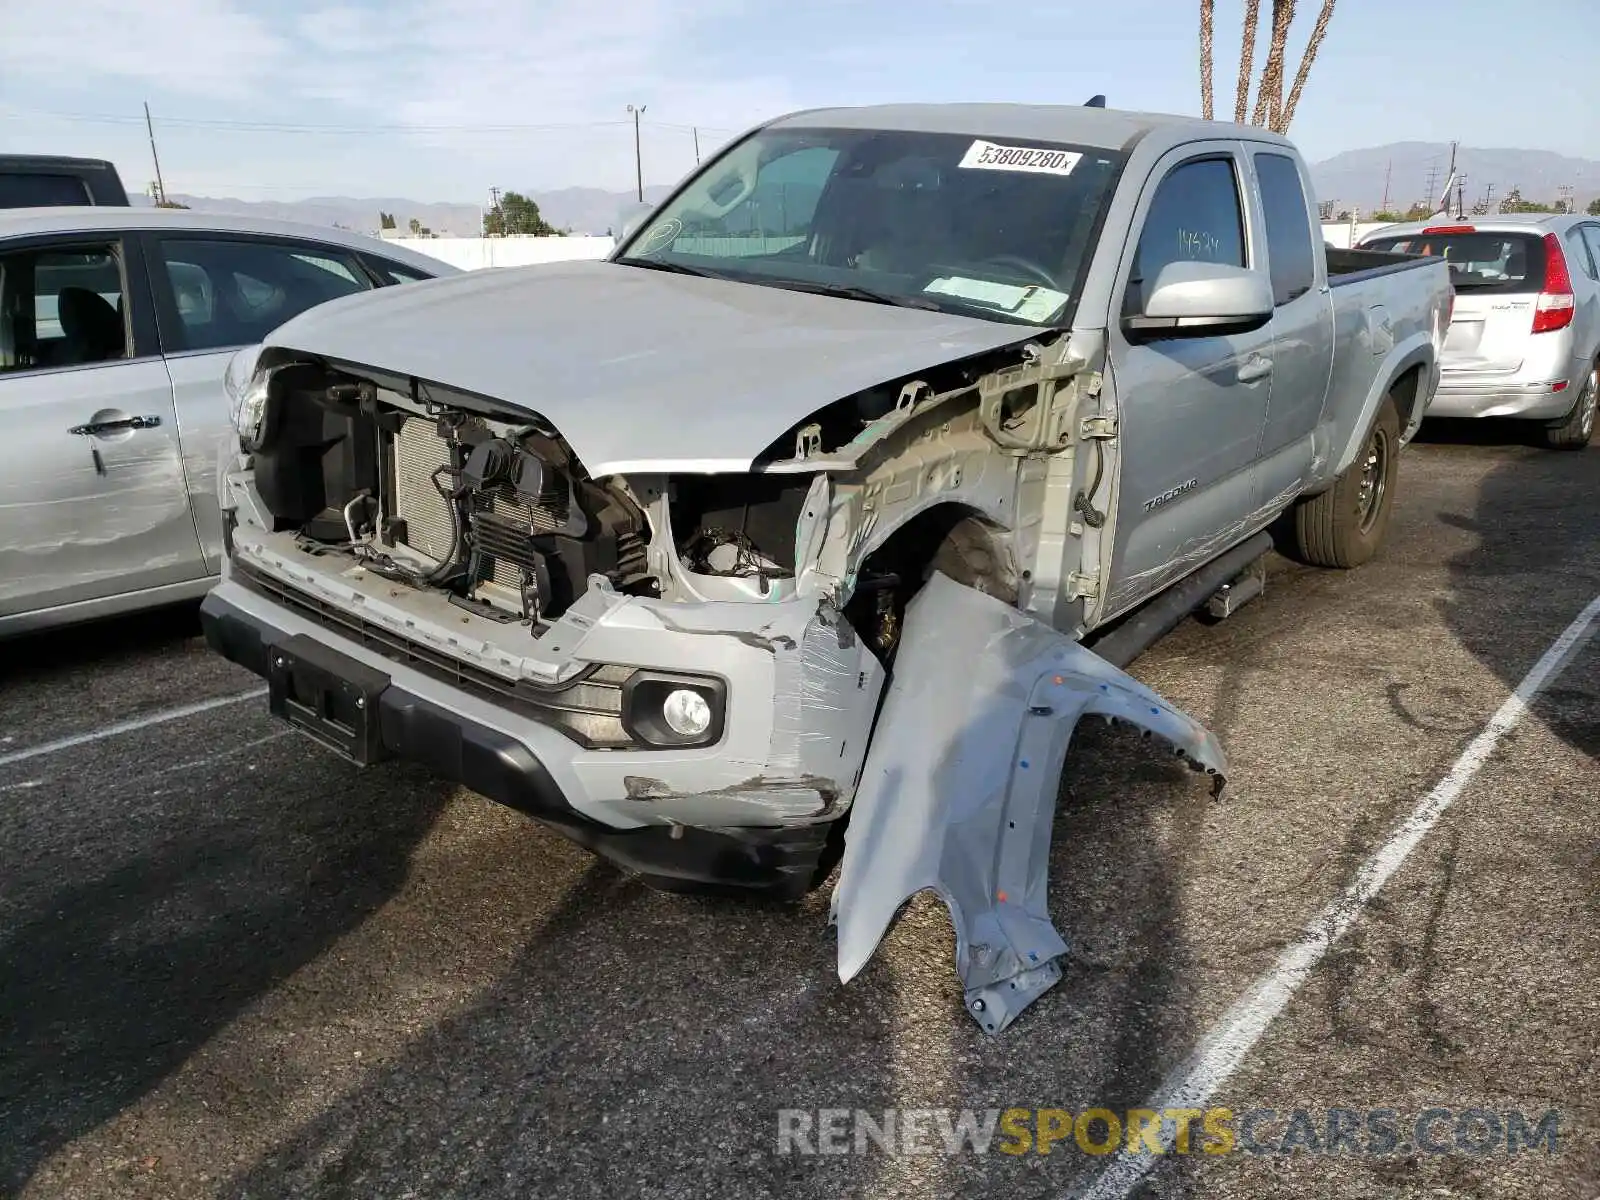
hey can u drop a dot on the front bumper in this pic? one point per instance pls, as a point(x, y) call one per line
point(1459, 397)
point(776, 835)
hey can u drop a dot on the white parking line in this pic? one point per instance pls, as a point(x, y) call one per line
point(95, 735)
point(1221, 1051)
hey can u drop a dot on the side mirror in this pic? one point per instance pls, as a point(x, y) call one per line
point(1202, 299)
point(629, 218)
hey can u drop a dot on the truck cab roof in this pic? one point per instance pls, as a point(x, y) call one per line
point(1082, 125)
point(35, 180)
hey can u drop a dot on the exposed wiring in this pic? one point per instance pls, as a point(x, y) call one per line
point(1083, 503)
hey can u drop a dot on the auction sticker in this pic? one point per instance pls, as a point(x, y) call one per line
point(988, 156)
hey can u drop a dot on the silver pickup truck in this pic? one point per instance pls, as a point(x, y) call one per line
point(778, 538)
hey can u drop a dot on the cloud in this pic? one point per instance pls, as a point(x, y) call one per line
point(444, 69)
point(204, 49)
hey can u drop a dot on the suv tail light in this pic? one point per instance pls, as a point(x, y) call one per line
point(1554, 308)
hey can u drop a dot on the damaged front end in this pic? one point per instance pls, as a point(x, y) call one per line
point(959, 789)
point(682, 669)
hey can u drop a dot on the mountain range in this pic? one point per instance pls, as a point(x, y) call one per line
point(1402, 171)
point(579, 209)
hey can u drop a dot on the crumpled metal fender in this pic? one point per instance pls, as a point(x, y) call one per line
point(959, 788)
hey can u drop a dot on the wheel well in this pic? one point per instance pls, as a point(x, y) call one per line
point(893, 573)
point(1407, 393)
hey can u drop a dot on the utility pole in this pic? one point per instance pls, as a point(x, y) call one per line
point(494, 207)
point(1387, 172)
point(638, 162)
point(695, 129)
point(149, 128)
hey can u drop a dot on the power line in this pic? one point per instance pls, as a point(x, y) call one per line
point(300, 127)
point(289, 127)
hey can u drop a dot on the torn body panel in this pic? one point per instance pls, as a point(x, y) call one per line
point(959, 787)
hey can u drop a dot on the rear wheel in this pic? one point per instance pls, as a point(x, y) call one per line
point(1346, 525)
point(1574, 432)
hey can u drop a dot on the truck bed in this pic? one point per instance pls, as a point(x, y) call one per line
point(1349, 266)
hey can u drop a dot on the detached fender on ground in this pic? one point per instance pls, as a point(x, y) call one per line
point(959, 788)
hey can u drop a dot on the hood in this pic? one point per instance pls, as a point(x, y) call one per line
point(640, 370)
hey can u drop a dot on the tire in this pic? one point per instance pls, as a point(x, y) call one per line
point(967, 554)
point(1345, 526)
point(1574, 431)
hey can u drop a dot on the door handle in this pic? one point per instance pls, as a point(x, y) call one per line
point(96, 428)
point(1254, 368)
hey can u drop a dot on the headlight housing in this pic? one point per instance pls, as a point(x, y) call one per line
point(247, 388)
point(674, 712)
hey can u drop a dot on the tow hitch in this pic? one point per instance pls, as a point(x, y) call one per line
point(959, 787)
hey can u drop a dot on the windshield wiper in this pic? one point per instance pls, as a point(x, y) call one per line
point(850, 291)
point(661, 264)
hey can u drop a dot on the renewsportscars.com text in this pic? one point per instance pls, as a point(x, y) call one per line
point(1477, 1132)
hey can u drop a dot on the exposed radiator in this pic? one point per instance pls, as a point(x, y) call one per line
point(419, 451)
point(502, 521)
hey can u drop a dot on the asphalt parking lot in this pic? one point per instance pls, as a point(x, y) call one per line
point(235, 966)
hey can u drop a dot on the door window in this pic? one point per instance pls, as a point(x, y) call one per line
point(1291, 250)
point(1578, 253)
point(234, 292)
point(1195, 216)
point(62, 306)
point(392, 272)
point(1591, 236)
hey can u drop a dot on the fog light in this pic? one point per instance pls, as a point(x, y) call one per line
point(667, 711)
point(686, 713)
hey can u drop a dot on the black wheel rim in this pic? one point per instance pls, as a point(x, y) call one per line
point(1374, 485)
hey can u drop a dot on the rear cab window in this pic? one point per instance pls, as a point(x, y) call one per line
point(1291, 249)
point(1492, 263)
point(42, 191)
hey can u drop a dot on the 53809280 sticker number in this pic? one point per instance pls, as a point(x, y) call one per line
point(989, 156)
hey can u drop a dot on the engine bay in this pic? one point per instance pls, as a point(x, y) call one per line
point(496, 514)
point(493, 511)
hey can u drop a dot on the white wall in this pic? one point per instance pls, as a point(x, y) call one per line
point(471, 254)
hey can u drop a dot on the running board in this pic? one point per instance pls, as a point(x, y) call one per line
point(958, 793)
point(1146, 626)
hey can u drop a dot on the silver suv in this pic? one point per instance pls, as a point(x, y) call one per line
point(1525, 337)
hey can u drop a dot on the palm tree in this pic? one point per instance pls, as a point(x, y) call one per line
point(1269, 97)
point(1318, 31)
point(1247, 59)
point(1271, 109)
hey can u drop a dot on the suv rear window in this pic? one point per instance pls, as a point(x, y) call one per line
point(1479, 262)
point(41, 191)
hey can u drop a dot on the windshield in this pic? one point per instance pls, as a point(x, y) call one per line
point(999, 230)
point(1506, 263)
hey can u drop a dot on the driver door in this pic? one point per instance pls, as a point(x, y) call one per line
point(1191, 406)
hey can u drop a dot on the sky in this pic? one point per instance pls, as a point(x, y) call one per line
point(439, 100)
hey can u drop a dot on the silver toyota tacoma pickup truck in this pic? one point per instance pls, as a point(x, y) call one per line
point(780, 537)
